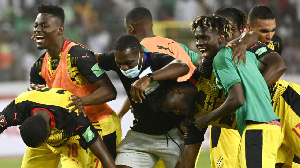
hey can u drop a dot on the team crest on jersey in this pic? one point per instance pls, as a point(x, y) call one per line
point(2, 121)
point(219, 162)
point(88, 134)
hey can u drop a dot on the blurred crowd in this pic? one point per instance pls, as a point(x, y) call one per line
point(97, 24)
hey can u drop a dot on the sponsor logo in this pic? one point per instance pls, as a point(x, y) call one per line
point(85, 56)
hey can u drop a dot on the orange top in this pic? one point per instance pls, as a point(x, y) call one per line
point(61, 79)
point(169, 46)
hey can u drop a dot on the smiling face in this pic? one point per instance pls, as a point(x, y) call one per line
point(47, 29)
point(265, 28)
point(208, 42)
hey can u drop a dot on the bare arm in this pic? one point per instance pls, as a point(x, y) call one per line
point(100, 151)
point(273, 67)
point(124, 109)
point(234, 100)
point(188, 156)
point(105, 92)
point(172, 71)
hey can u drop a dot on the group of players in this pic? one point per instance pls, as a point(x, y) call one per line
point(228, 93)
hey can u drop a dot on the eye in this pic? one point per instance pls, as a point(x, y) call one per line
point(44, 25)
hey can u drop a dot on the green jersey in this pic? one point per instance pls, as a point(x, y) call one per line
point(257, 106)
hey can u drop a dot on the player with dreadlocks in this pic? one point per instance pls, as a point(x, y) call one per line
point(247, 94)
point(222, 152)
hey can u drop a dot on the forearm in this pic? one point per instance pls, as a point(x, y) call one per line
point(102, 95)
point(171, 71)
point(272, 76)
point(188, 156)
point(272, 67)
point(234, 101)
point(249, 38)
point(124, 109)
point(99, 149)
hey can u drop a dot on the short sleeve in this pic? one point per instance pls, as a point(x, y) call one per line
point(225, 70)
point(87, 64)
point(260, 50)
point(107, 61)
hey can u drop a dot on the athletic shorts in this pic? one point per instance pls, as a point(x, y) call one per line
point(259, 146)
point(224, 145)
point(287, 107)
point(110, 131)
point(142, 150)
point(69, 153)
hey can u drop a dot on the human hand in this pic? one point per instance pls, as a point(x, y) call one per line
point(202, 121)
point(78, 103)
point(137, 89)
point(35, 87)
point(238, 51)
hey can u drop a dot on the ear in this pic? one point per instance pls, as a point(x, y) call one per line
point(221, 38)
point(60, 30)
point(131, 29)
point(248, 27)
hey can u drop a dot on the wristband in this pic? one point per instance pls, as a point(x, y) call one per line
point(150, 75)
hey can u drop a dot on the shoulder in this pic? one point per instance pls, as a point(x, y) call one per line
point(78, 48)
point(39, 61)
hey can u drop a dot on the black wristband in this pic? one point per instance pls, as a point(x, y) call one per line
point(150, 75)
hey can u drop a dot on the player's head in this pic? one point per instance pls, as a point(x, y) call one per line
point(181, 98)
point(211, 33)
point(262, 20)
point(237, 17)
point(138, 19)
point(34, 131)
point(129, 55)
point(48, 25)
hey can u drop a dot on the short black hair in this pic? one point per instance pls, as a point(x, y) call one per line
point(218, 23)
point(54, 10)
point(260, 12)
point(189, 90)
point(127, 42)
point(34, 131)
point(235, 15)
point(139, 14)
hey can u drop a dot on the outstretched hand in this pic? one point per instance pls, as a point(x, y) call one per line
point(238, 51)
point(137, 89)
point(78, 103)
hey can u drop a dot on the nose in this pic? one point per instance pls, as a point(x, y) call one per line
point(124, 67)
point(199, 42)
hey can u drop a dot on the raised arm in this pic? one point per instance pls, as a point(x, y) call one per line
point(239, 45)
point(171, 71)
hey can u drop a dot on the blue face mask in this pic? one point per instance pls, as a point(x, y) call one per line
point(133, 72)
